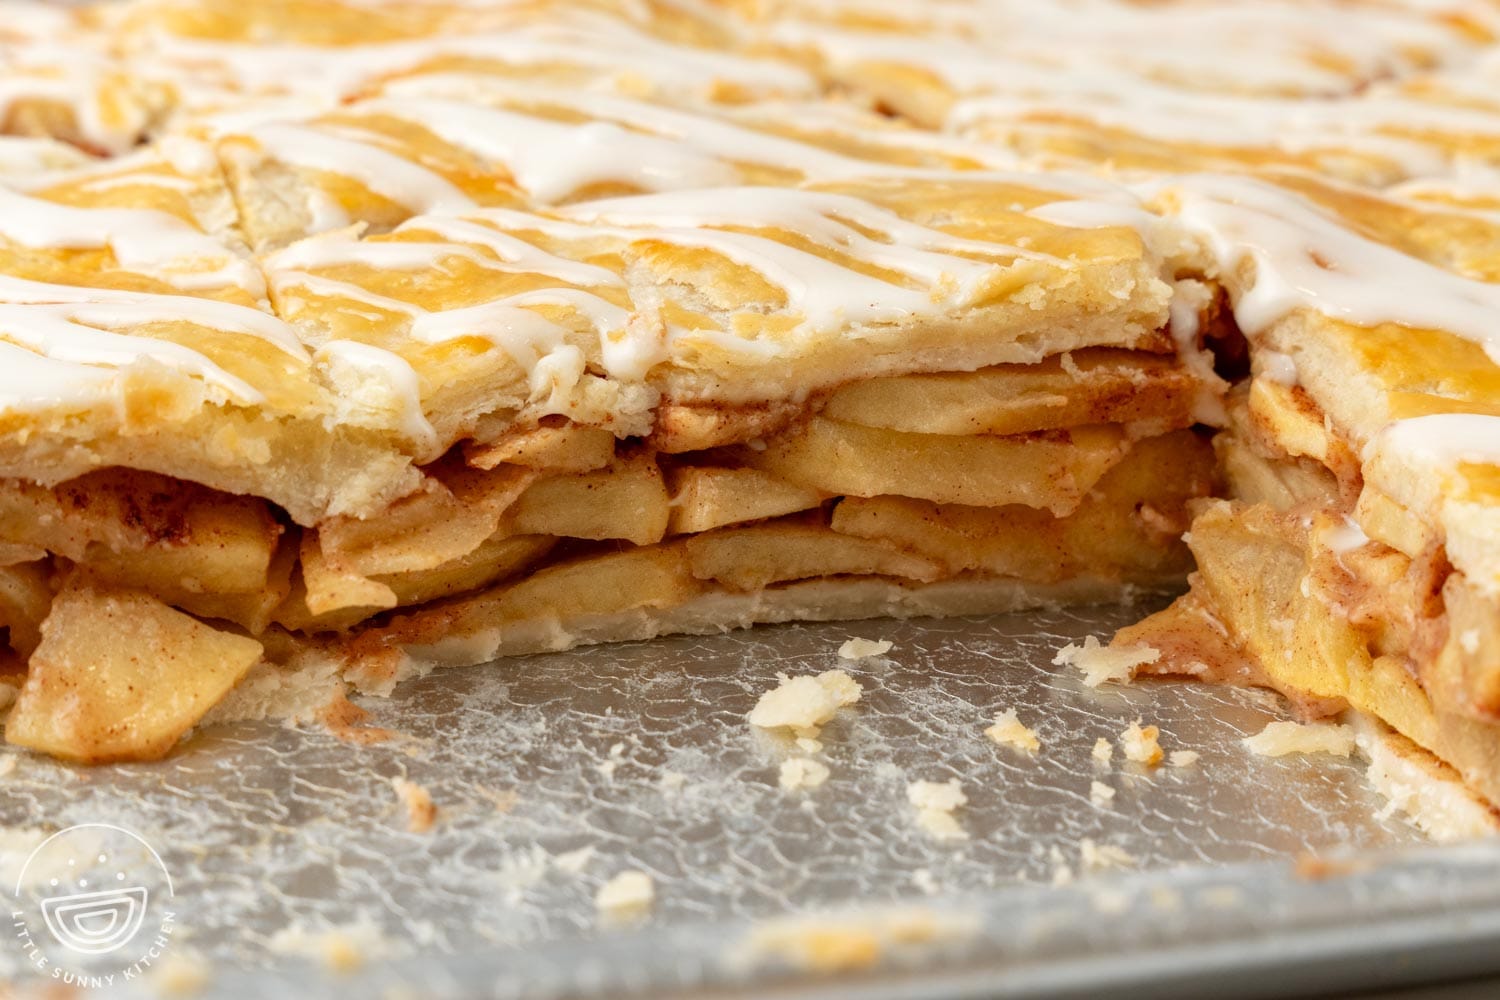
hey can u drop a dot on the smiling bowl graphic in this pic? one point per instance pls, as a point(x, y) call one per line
point(95, 923)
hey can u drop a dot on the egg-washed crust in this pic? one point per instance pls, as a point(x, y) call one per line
point(432, 316)
point(167, 346)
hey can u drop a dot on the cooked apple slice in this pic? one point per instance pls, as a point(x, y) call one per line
point(654, 576)
point(455, 512)
point(1386, 520)
point(226, 550)
point(684, 427)
point(750, 558)
point(253, 610)
point(329, 587)
point(1099, 386)
point(141, 529)
point(24, 600)
point(1129, 525)
point(1282, 483)
point(627, 500)
point(121, 676)
point(1006, 541)
point(495, 560)
point(569, 448)
point(1053, 469)
point(707, 497)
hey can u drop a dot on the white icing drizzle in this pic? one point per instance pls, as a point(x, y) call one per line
point(374, 383)
point(1099, 46)
point(524, 335)
point(1277, 367)
point(510, 323)
point(738, 135)
point(914, 250)
point(334, 248)
point(944, 270)
point(552, 160)
point(23, 160)
point(1189, 300)
point(114, 306)
point(1305, 259)
point(34, 383)
point(151, 242)
point(74, 74)
point(605, 49)
point(621, 141)
point(384, 173)
point(515, 254)
point(624, 354)
point(1445, 439)
point(1331, 129)
point(284, 282)
point(1345, 538)
point(60, 332)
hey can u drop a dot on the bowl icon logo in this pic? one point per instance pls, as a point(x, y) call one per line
point(93, 906)
point(96, 923)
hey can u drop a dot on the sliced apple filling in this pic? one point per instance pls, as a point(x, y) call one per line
point(559, 533)
point(1334, 592)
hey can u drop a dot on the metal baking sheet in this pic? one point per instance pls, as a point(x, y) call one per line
point(293, 867)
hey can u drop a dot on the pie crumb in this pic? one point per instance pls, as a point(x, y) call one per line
point(923, 879)
point(421, 812)
point(627, 896)
point(1140, 744)
point(1010, 731)
point(800, 772)
point(1101, 663)
point(858, 649)
point(1062, 872)
point(1100, 794)
point(1097, 857)
point(1103, 751)
point(1312, 868)
point(935, 802)
point(1281, 738)
point(1183, 758)
point(804, 704)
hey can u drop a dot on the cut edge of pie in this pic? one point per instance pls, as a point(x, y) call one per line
point(327, 397)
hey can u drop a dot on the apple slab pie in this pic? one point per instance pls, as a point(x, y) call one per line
point(342, 340)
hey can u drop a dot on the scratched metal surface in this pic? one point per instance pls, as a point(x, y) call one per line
point(281, 840)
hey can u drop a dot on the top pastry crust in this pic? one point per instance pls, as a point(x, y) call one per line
point(753, 250)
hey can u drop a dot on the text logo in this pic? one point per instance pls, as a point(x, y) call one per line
point(105, 903)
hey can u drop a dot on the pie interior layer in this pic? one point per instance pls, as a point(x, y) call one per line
point(1065, 479)
point(339, 340)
